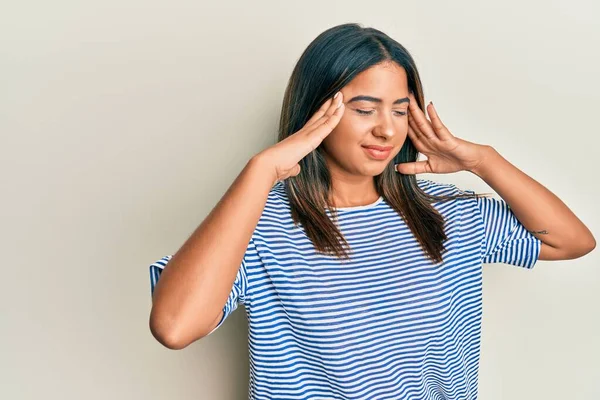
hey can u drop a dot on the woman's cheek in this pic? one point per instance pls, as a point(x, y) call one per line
point(355, 123)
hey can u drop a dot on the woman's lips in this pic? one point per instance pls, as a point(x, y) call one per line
point(374, 152)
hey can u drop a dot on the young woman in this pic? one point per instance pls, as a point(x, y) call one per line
point(359, 280)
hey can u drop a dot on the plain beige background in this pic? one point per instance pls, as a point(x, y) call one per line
point(124, 122)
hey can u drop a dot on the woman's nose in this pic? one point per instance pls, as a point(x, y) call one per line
point(385, 127)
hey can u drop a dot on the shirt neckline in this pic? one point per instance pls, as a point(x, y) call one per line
point(366, 206)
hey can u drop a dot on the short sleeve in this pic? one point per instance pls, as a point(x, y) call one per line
point(239, 291)
point(505, 239)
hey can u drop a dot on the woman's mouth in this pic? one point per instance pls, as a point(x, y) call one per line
point(378, 152)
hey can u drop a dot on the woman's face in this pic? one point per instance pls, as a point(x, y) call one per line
point(368, 122)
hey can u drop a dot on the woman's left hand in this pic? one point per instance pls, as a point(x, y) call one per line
point(445, 152)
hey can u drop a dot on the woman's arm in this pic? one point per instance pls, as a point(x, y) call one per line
point(189, 296)
point(563, 235)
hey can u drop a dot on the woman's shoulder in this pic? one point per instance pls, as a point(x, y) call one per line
point(277, 197)
point(440, 188)
point(277, 206)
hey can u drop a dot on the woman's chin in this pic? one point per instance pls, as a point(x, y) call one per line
point(374, 170)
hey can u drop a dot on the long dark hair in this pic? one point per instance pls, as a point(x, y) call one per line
point(330, 62)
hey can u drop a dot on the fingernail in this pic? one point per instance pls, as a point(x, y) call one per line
point(336, 95)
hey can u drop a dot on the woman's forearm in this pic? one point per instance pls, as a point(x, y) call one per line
point(195, 284)
point(564, 236)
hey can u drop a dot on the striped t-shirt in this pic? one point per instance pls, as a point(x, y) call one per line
point(389, 324)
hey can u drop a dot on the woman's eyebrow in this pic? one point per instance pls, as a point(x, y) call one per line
point(377, 100)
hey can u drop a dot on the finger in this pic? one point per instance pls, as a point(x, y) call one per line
point(415, 139)
point(412, 124)
point(326, 110)
point(320, 130)
point(320, 112)
point(438, 126)
point(413, 168)
point(420, 120)
point(421, 125)
point(421, 141)
point(411, 120)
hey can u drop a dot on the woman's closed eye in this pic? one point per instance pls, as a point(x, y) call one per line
point(369, 112)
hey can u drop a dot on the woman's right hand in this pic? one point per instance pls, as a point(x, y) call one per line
point(283, 157)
